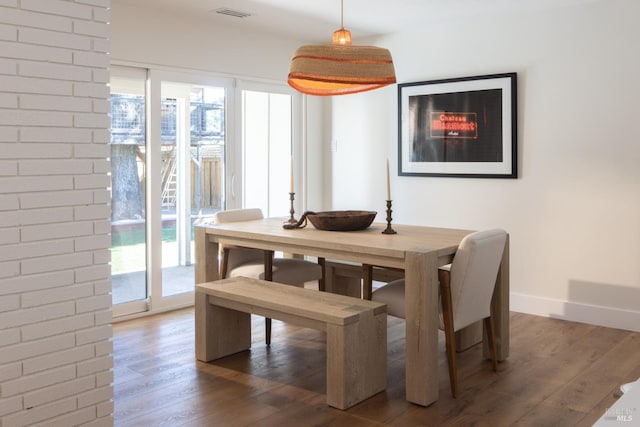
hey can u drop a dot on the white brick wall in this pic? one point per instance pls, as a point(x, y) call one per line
point(56, 364)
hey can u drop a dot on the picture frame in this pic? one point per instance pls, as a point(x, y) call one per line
point(461, 127)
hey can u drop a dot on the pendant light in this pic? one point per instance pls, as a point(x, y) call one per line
point(340, 68)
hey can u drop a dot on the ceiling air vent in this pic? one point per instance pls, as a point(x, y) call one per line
point(231, 12)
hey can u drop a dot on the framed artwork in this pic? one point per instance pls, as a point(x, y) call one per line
point(462, 127)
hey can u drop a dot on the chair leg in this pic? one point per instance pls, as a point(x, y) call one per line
point(449, 333)
point(224, 263)
point(367, 281)
point(268, 276)
point(267, 328)
point(450, 339)
point(491, 340)
point(321, 282)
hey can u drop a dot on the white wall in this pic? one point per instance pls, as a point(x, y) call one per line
point(574, 213)
point(55, 301)
point(154, 37)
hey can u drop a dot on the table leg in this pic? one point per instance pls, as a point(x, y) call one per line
point(421, 305)
point(469, 336)
point(337, 283)
point(206, 252)
point(500, 306)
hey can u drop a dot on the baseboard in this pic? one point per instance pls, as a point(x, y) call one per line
point(609, 317)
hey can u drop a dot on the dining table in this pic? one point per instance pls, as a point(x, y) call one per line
point(417, 250)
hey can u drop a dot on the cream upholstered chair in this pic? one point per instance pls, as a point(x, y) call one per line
point(466, 289)
point(255, 263)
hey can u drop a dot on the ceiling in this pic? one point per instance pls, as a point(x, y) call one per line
point(314, 21)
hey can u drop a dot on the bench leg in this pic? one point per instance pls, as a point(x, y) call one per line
point(219, 331)
point(356, 360)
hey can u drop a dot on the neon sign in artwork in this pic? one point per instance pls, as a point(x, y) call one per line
point(454, 125)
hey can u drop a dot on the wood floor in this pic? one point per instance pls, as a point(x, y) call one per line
point(558, 374)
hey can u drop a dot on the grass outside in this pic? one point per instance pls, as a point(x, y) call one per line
point(128, 250)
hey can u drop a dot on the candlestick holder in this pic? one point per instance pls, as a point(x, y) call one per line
point(389, 230)
point(292, 219)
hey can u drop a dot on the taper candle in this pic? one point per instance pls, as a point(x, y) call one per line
point(388, 182)
point(291, 191)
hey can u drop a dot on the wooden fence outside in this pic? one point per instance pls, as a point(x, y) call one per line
point(210, 184)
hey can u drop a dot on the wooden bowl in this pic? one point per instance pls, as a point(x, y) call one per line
point(341, 220)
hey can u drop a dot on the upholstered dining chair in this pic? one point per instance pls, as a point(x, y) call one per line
point(466, 289)
point(261, 264)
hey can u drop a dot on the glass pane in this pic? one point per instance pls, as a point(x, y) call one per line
point(207, 150)
point(128, 225)
point(280, 154)
point(267, 151)
point(255, 108)
point(193, 141)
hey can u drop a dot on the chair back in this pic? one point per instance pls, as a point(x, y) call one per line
point(237, 255)
point(473, 275)
point(235, 215)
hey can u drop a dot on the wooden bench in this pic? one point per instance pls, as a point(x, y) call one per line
point(356, 330)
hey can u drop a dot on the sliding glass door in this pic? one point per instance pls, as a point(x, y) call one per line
point(168, 167)
point(192, 158)
point(175, 162)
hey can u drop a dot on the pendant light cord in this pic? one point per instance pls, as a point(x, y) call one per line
point(341, 13)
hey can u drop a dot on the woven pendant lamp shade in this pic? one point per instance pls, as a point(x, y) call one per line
point(326, 70)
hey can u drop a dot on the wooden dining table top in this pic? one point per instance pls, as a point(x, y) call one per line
point(366, 246)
